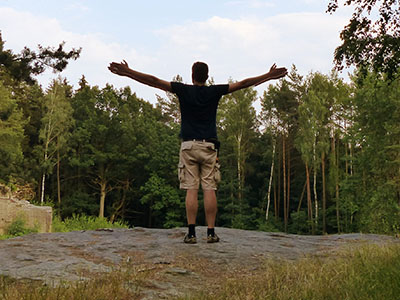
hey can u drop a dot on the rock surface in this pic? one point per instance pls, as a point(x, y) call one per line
point(54, 257)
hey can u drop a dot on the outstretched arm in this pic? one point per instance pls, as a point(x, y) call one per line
point(123, 69)
point(274, 73)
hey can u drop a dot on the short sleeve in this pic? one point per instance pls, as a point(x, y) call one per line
point(177, 87)
point(222, 89)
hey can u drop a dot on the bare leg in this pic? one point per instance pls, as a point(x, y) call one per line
point(192, 205)
point(210, 207)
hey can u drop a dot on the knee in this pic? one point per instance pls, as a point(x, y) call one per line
point(209, 195)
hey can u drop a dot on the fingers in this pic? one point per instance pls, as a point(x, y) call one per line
point(277, 73)
point(115, 68)
point(276, 70)
point(111, 67)
point(118, 68)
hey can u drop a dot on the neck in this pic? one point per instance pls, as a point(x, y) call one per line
point(198, 83)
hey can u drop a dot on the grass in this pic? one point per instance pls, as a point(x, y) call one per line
point(369, 272)
point(118, 285)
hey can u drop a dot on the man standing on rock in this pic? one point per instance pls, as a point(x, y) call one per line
point(198, 154)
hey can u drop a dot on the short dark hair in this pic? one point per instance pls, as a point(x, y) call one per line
point(200, 72)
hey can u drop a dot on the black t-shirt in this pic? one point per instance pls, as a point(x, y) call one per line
point(198, 106)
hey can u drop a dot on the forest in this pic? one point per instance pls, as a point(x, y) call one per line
point(322, 155)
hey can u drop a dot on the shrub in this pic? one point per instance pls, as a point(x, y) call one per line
point(83, 222)
point(18, 227)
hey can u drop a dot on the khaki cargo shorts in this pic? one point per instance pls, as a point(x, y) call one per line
point(198, 163)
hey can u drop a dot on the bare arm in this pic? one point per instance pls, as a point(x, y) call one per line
point(274, 73)
point(123, 69)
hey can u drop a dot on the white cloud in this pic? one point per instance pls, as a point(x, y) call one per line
point(20, 29)
point(234, 48)
point(246, 47)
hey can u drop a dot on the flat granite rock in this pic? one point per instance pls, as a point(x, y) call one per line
point(55, 257)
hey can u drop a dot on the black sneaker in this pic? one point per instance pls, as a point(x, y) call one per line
point(190, 239)
point(212, 238)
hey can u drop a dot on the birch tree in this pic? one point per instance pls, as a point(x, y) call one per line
point(56, 122)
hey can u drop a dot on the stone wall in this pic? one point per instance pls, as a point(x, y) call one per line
point(34, 216)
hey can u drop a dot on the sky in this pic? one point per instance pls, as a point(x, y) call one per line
point(236, 38)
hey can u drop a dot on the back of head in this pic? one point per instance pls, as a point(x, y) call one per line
point(200, 72)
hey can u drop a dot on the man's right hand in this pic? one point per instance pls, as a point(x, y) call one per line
point(119, 68)
point(123, 69)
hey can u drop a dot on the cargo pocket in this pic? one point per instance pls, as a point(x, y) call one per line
point(186, 145)
point(217, 173)
point(181, 172)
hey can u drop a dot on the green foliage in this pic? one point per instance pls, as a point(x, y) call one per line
point(83, 222)
point(272, 225)
point(375, 190)
point(11, 134)
point(380, 214)
point(55, 128)
point(103, 151)
point(23, 66)
point(238, 126)
point(371, 39)
point(164, 200)
point(78, 202)
point(18, 228)
point(299, 223)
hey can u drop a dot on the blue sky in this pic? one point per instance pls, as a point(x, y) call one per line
point(237, 38)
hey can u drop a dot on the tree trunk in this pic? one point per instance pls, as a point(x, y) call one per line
point(323, 193)
point(288, 184)
point(42, 189)
point(279, 185)
point(275, 202)
point(336, 163)
point(46, 150)
point(58, 177)
point(122, 202)
point(232, 202)
point(150, 220)
point(302, 196)
point(103, 192)
point(309, 204)
point(398, 188)
point(284, 182)
point(346, 163)
point(44, 173)
point(270, 181)
point(315, 183)
point(351, 159)
point(239, 170)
